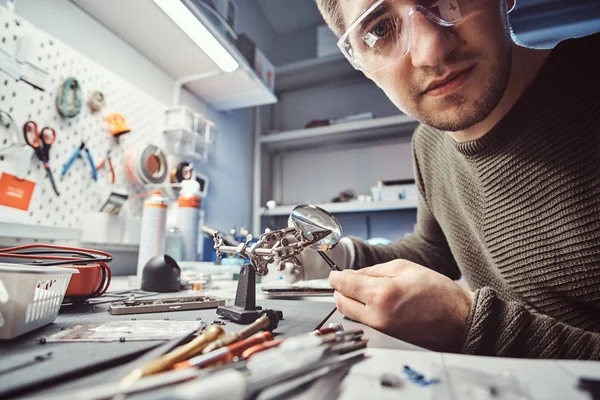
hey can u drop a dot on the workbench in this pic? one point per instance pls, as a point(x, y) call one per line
point(541, 379)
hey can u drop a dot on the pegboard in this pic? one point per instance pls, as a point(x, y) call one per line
point(79, 193)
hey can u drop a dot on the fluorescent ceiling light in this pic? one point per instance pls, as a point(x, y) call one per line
point(192, 27)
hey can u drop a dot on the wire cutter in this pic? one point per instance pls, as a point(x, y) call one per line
point(40, 142)
point(77, 153)
point(110, 166)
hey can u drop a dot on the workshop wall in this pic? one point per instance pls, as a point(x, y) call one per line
point(298, 45)
point(320, 174)
point(254, 24)
point(77, 29)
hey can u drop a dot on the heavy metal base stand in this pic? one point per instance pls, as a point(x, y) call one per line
point(244, 310)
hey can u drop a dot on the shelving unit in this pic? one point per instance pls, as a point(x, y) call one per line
point(315, 71)
point(163, 42)
point(372, 129)
point(349, 207)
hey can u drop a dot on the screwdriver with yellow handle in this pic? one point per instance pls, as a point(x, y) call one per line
point(181, 353)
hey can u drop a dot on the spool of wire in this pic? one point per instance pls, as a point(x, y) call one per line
point(68, 100)
point(96, 101)
point(146, 165)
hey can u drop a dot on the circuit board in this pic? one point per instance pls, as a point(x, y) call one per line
point(164, 304)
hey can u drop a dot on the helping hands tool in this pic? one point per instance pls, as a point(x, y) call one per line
point(309, 227)
point(41, 141)
point(77, 153)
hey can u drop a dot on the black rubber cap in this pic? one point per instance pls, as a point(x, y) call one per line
point(161, 274)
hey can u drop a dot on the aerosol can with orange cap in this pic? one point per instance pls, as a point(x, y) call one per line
point(153, 237)
point(189, 218)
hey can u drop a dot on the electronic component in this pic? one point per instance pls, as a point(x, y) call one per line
point(164, 304)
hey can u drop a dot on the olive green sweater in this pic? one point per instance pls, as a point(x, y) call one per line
point(517, 213)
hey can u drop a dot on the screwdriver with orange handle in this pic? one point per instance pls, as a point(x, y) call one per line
point(167, 361)
point(335, 328)
point(226, 354)
point(260, 348)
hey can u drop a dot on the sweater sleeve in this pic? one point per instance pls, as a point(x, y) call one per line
point(427, 247)
point(507, 329)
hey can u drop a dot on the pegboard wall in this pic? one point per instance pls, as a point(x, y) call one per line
point(79, 193)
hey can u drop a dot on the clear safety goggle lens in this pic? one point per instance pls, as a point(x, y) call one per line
point(381, 35)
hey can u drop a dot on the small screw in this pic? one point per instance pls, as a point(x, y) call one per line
point(166, 319)
point(42, 340)
point(198, 319)
point(133, 319)
point(122, 340)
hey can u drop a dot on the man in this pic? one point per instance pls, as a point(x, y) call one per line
point(507, 163)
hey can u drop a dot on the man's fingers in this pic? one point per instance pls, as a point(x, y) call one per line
point(385, 270)
point(351, 308)
point(356, 286)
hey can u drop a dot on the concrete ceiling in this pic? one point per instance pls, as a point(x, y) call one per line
point(289, 15)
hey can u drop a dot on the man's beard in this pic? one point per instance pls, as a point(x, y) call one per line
point(463, 112)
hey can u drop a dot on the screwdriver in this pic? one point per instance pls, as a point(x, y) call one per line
point(268, 322)
point(331, 328)
point(261, 347)
point(179, 354)
point(305, 341)
point(226, 354)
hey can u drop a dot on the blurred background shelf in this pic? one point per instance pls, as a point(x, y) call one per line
point(348, 207)
point(315, 71)
point(365, 130)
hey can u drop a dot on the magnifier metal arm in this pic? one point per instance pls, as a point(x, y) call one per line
point(280, 249)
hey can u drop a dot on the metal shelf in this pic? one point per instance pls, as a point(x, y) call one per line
point(348, 207)
point(372, 129)
point(313, 72)
point(184, 61)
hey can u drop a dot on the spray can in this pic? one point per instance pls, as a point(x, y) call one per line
point(189, 217)
point(154, 221)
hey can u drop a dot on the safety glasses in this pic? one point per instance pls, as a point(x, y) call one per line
point(381, 35)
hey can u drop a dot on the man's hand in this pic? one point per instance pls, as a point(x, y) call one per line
point(407, 301)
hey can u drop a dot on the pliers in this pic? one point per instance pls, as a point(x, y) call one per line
point(110, 166)
point(77, 153)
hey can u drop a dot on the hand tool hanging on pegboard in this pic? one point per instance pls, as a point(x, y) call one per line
point(8, 125)
point(13, 145)
point(68, 100)
point(75, 155)
point(107, 161)
point(41, 141)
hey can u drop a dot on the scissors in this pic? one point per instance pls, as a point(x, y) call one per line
point(41, 142)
